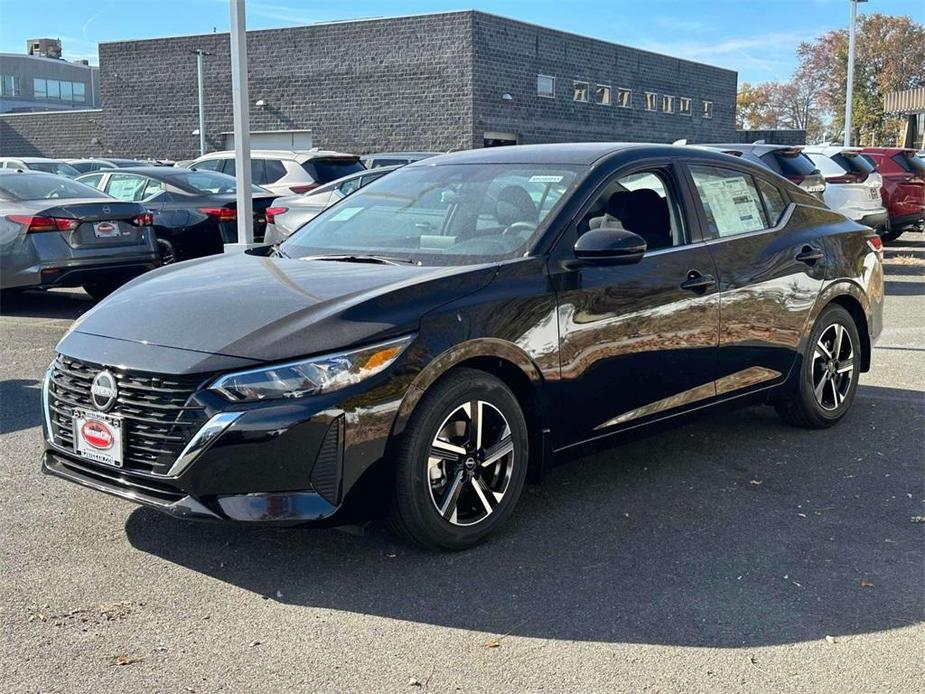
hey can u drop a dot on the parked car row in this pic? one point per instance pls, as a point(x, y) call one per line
point(880, 187)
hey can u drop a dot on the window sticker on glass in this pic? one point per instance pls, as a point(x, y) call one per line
point(733, 204)
point(545, 179)
point(345, 214)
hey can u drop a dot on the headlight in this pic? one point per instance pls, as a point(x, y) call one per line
point(313, 376)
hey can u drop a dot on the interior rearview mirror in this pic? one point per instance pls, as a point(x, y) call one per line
point(609, 246)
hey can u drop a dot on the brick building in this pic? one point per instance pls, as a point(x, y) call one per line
point(430, 82)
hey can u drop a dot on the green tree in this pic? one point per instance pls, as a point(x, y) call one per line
point(889, 56)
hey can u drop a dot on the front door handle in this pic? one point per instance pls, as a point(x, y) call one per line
point(696, 282)
point(810, 255)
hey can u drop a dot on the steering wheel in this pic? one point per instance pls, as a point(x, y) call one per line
point(521, 229)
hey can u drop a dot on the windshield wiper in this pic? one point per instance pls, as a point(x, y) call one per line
point(357, 258)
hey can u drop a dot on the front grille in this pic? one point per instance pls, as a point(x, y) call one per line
point(158, 419)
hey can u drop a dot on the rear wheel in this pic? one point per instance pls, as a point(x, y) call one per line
point(890, 234)
point(167, 252)
point(461, 463)
point(828, 378)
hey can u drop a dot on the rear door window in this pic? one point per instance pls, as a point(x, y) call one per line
point(208, 165)
point(154, 187)
point(228, 167)
point(327, 170)
point(128, 187)
point(730, 201)
point(92, 180)
point(259, 171)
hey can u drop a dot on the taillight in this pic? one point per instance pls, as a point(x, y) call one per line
point(223, 214)
point(143, 220)
point(39, 224)
point(875, 243)
point(304, 188)
point(797, 179)
point(273, 211)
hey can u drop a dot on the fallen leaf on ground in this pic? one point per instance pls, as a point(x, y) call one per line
point(126, 660)
point(866, 584)
point(494, 643)
point(918, 519)
point(755, 482)
point(830, 639)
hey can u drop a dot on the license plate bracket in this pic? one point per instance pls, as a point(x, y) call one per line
point(99, 437)
point(106, 230)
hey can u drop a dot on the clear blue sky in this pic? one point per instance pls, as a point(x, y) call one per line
point(758, 38)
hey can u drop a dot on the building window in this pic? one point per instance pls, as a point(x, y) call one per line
point(602, 94)
point(546, 86)
point(80, 92)
point(581, 91)
point(38, 89)
point(60, 90)
point(54, 89)
point(651, 101)
point(9, 85)
point(707, 109)
point(667, 104)
point(684, 106)
point(624, 98)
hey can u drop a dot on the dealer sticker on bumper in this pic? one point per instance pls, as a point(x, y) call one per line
point(98, 437)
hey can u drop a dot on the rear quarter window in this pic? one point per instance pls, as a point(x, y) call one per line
point(774, 201)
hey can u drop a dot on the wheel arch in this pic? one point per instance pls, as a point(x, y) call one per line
point(852, 298)
point(503, 360)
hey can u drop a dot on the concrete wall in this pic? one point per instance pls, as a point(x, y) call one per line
point(386, 84)
point(510, 54)
point(60, 134)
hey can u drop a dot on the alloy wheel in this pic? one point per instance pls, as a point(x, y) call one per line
point(470, 462)
point(832, 367)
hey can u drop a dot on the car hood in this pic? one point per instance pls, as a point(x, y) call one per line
point(269, 308)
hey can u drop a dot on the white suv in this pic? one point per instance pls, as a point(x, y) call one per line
point(852, 184)
point(285, 172)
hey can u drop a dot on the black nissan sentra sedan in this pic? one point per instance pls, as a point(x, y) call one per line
point(452, 326)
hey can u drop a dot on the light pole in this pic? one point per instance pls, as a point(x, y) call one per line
point(849, 92)
point(202, 100)
point(242, 135)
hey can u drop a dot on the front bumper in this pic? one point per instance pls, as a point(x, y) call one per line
point(285, 508)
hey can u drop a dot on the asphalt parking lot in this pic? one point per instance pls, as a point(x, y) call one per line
point(730, 554)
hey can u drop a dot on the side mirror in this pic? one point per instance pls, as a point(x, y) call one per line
point(609, 246)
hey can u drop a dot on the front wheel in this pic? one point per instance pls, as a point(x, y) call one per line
point(828, 378)
point(461, 463)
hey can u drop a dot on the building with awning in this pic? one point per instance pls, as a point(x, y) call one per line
point(910, 106)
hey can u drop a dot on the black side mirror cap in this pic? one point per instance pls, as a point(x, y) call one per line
point(608, 246)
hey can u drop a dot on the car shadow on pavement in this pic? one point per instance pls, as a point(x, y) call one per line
point(20, 404)
point(733, 530)
point(46, 304)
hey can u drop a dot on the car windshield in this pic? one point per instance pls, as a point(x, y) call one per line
point(208, 182)
point(42, 187)
point(55, 167)
point(441, 215)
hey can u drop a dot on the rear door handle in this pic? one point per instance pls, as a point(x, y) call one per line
point(810, 255)
point(697, 282)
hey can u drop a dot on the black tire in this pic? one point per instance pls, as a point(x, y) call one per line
point(802, 406)
point(167, 252)
point(414, 514)
point(100, 290)
point(890, 235)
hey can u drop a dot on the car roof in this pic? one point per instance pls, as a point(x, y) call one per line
point(145, 170)
point(291, 154)
point(888, 150)
point(382, 155)
point(563, 153)
point(30, 172)
point(34, 160)
point(830, 150)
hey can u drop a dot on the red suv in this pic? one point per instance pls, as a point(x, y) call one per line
point(903, 189)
